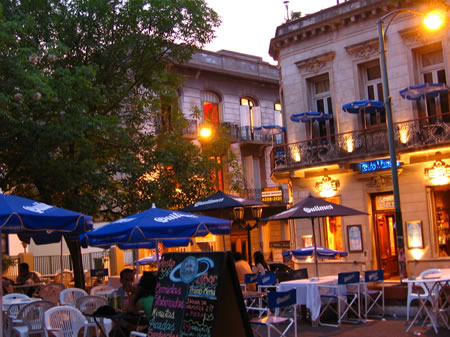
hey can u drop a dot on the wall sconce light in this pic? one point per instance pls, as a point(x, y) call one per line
point(350, 144)
point(296, 157)
point(403, 133)
point(439, 173)
point(327, 187)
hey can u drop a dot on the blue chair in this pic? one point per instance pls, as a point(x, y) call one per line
point(345, 294)
point(274, 315)
point(266, 281)
point(250, 279)
point(373, 298)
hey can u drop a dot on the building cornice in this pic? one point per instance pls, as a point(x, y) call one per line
point(328, 20)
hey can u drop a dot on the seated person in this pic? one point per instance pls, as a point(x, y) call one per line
point(242, 268)
point(8, 285)
point(127, 285)
point(143, 298)
point(27, 277)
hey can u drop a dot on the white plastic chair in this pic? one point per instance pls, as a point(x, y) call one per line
point(64, 321)
point(343, 295)
point(69, 296)
point(99, 288)
point(274, 316)
point(51, 292)
point(415, 295)
point(14, 296)
point(88, 305)
point(66, 279)
point(30, 320)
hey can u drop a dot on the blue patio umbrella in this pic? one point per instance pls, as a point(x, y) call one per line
point(322, 252)
point(312, 208)
point(168, 243)
point(363, 106)
point(310, 116)
point(33, 218)
point(220, 200)
point(155, 224)
point(269, 130)
point(423, 91)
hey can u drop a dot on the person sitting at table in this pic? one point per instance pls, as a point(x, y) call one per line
point(27, 277)
point(127, 285)
point(242, 268)
point(260, 264)
point(8, 285)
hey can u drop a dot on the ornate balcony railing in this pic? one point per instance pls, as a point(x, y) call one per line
point(409, 136)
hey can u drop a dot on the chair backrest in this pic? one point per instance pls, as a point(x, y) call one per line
point(102, 287)
point(14, 296)
point(51, 292)
point(67, 276)
point(348, 278)
point(69, 296)
point(68, 320)
point(89, 304)
point(299, 274)
point(250, 278)
point(33, 315)
point(278, 299)
point(268, 278)
point(429, 271)
point(374, 276)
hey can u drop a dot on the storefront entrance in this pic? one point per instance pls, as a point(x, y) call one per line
point(385, 234)
point(239, 244)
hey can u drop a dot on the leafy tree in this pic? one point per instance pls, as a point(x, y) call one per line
point(81, 83)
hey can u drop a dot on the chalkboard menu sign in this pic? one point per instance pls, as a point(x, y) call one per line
point(198, 294)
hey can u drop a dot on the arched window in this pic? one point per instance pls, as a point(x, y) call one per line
point(210, 104)
point(250, 116)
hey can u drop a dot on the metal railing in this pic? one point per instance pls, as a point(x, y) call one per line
point(48, 265)
point(409, 135)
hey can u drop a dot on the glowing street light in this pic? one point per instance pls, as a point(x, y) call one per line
point(205, 131)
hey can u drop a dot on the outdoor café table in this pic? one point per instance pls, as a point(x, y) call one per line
point(308, 292)
point(436, 285)
point(7, 302)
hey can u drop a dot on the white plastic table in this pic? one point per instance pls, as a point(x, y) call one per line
point(7, 302)
point(436, 285)
point(308, 292)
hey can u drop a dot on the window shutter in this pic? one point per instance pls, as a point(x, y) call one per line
point(277, 118)
point(244, 115)
point(256, 112)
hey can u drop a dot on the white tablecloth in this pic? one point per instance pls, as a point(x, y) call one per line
point(308, 292)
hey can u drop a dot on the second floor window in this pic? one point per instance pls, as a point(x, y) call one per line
point(322, 102)
point(250, 116)
point(432, 70)
point(210, 101)
point(371, 74)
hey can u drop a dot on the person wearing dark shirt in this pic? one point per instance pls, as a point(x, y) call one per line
point(27, 277)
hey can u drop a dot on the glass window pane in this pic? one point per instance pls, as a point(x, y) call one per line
point(432, 58)
point(373, 72)
point(321, 86)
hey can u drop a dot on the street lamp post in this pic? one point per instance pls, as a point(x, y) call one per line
point(239, 219)
point(390, 129)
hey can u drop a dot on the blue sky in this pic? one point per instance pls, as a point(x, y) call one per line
point(248, 25)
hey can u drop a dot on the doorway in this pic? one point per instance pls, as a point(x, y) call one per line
point(239, 244)
point(385, 234)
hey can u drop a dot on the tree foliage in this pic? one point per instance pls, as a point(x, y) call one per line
point(81, 86)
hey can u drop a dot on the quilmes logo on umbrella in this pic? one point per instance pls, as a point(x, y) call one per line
point(317, 208)
point(207, 202)
point(174, 216)
point(37, 207)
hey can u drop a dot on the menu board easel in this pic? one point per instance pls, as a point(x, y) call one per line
point(198, 294)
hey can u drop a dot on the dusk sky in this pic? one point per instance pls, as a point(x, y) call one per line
point(248, 25)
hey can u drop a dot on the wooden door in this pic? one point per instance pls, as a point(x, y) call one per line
point(387, 244)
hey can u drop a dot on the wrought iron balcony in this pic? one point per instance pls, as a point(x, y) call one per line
point(412, 135)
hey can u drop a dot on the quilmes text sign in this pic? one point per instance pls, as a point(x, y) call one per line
point(375, 165)
point(272, 194)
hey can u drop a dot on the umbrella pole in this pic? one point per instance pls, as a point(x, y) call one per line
point(316, 262)
point(61, 260)
point(157, 253)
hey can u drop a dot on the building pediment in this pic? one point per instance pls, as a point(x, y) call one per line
point(364, 49)
point(316, 63)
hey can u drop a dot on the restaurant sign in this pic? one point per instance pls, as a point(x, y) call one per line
point(375, 165)
point(280, 244)
point(272, 194)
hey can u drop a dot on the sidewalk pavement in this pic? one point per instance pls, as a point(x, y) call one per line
point(373, 328)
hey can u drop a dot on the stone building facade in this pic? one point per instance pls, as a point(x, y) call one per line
point(331, 58)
